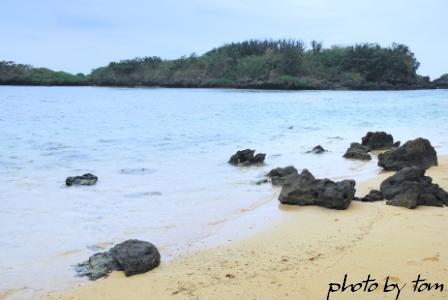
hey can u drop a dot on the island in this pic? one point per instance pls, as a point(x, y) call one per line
point(252, 64)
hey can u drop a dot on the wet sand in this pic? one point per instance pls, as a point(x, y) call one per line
point(298, 256)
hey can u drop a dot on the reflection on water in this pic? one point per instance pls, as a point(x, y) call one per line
point(161, 158)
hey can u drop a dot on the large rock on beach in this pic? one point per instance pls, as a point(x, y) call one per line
point(378, 140)
point(86, 179)
point(409, 188)
point(416, 153)
point(304, 189)
point(132, 256)
point(358, 151)
point(279, 176)
point(247, 158)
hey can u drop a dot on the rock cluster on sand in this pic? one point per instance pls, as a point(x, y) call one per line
point(304, 189)
point(409, 188)
point(279, 176)
point(379, 140)
point(371, 141)
point(317, 150)
point(86, 179)
point(132, 257)
point(247, 158)
point(358, 151)
point(416, 153)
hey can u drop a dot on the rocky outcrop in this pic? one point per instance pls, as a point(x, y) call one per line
point(247, 158)
point(378, 140)
point(279, 176)
point(304, 189)
point(409, 188)
point(317, 150)
point(372, 196)
point(86, 179)
point(358, 151)
point(416, 153)
point(132, 257)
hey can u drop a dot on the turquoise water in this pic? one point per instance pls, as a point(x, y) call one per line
point(161, 158)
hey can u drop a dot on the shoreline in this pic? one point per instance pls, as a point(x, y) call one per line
point(248, 87)
point(300, 254)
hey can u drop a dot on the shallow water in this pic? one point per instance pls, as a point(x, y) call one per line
point(161, 158)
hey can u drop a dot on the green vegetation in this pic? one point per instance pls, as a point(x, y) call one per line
point(281, 64)
point(19, 74)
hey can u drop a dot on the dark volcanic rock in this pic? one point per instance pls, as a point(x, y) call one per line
point(86, 179)
point(132, 257)
point(358, 151)
point(247, 158)
point(304, 189)
point(317, 150)
point(416, 153)
point(409, 187)
point(280, 175)
point(378, 140)
point(135, 257)
point(372, 196)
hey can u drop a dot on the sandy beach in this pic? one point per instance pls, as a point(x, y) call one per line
point(299, 256)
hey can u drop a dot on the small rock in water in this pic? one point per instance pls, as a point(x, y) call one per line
point(279, 176)
point(304, 189)
point(416, 153)
point(378, 140)
point(358, 151)
point(409, 188)
point(247, 158)
point(317, 150)
point(86, 179)
point(132, 256)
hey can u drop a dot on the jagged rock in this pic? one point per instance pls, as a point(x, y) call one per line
point(416, 153)
point(372, 196)
point(86, 179)
point(132, 257)
point(280, 175)
point(358, 151)
point(409, 187)
point(304, 189)
point(378, 140)
point(99, 265)
point(317, 150)
point(247, 158)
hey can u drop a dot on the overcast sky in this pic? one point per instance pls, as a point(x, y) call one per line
point(79, 35)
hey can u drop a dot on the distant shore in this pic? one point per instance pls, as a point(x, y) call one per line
point(301, 254)
point(253, 86)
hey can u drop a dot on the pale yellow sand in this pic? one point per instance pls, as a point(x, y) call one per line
point(297, 257)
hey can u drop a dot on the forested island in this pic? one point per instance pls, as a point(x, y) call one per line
point(259, 64)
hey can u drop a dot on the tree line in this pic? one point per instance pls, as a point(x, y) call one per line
point(284, 64)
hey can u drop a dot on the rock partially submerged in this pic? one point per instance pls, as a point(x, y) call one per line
point(132, 256)
point(358, 151)
point(416, 153)
point(247, 158)
point(279, 176)
point(409, 188)
point(378, 140)
point(304, 189)
point(317, 150)
point(86, 179)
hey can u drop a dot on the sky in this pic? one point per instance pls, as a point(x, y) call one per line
point(77, 36)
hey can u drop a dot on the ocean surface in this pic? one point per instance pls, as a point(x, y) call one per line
point(161, 158)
